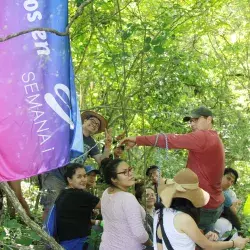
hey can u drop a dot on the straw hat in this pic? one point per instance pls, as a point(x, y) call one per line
point(184, 185)
point(103, 121)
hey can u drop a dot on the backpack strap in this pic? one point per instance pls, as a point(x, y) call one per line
point(164, 236)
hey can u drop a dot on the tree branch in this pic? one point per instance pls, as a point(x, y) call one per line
point(77, 14)
point(18, 207)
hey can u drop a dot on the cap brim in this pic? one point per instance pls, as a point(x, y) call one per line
point(188, 118)
point(94, 170)
point(104, 123)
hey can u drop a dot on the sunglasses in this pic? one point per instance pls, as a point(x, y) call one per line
point(126, 172)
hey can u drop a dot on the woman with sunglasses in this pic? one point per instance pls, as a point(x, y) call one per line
point(123, 216)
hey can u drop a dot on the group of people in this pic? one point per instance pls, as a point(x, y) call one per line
point(183, 213)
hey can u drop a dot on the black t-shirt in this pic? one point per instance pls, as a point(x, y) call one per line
point(73, 213)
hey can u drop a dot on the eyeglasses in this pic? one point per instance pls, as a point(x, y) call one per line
point(126, 172)
point(96, 124)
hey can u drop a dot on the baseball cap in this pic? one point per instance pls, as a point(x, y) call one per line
point(196, 113)
point(90, 169)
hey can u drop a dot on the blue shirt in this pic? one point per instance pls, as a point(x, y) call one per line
point(228, 201)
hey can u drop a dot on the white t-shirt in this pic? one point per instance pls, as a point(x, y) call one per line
point(179, 241)
point(222, 226)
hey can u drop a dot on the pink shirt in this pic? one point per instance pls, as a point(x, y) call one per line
point(206, 158)
point(123, 220)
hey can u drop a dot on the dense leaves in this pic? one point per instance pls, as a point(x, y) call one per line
point(144, 64)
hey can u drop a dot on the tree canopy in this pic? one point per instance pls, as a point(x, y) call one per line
point(144, 64)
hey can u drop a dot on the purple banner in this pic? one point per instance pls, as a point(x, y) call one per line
point(39, 117)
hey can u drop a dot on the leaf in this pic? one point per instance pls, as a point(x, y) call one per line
point(156, 41)
point(32, 235)
point(2, 235)
point(159, 49)
point(146, 48)
point(24, 241)
point(78, 2)
point(12, 224)
point(126, 34)
point(148, 39)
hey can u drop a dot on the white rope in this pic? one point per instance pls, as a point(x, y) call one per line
point(85, 153)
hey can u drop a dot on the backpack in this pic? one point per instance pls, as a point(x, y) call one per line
point(50, 226)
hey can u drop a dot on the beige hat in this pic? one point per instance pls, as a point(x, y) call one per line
point(103, 121)
point(184, 185)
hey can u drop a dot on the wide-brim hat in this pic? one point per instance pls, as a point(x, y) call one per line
point(196, 113)
point(103, 121)
point(184, 185)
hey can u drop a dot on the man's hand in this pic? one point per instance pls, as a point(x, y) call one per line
point(130, 142)
point(212, 236)
point(121, 136)
point(237, 204)
point(108, 138)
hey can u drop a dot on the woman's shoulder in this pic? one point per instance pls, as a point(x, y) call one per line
point(183, 221)
point(128, 196)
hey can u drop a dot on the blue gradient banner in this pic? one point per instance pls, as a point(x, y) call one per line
point(40, 124)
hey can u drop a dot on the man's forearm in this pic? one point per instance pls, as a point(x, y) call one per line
point(106, 152)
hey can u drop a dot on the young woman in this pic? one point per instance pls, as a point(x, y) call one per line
point(73, 209)
point(182, 199)
point(150, 198)
point(123, 216)
point(147, 198)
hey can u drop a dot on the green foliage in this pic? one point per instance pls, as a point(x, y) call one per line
point(12, 232)
point(94, 240)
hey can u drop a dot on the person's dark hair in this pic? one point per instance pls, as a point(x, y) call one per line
point(139, 190)
point(71, 170)
point(186, 206)
point(232, 171)
point(109, 167)
point(152, 167)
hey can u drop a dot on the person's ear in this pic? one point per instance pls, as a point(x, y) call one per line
point(69, 180)
point(210, 119)
point(114, 180)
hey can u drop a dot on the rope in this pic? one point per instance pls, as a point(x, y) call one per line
point(160, 165)
point(84, 154)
